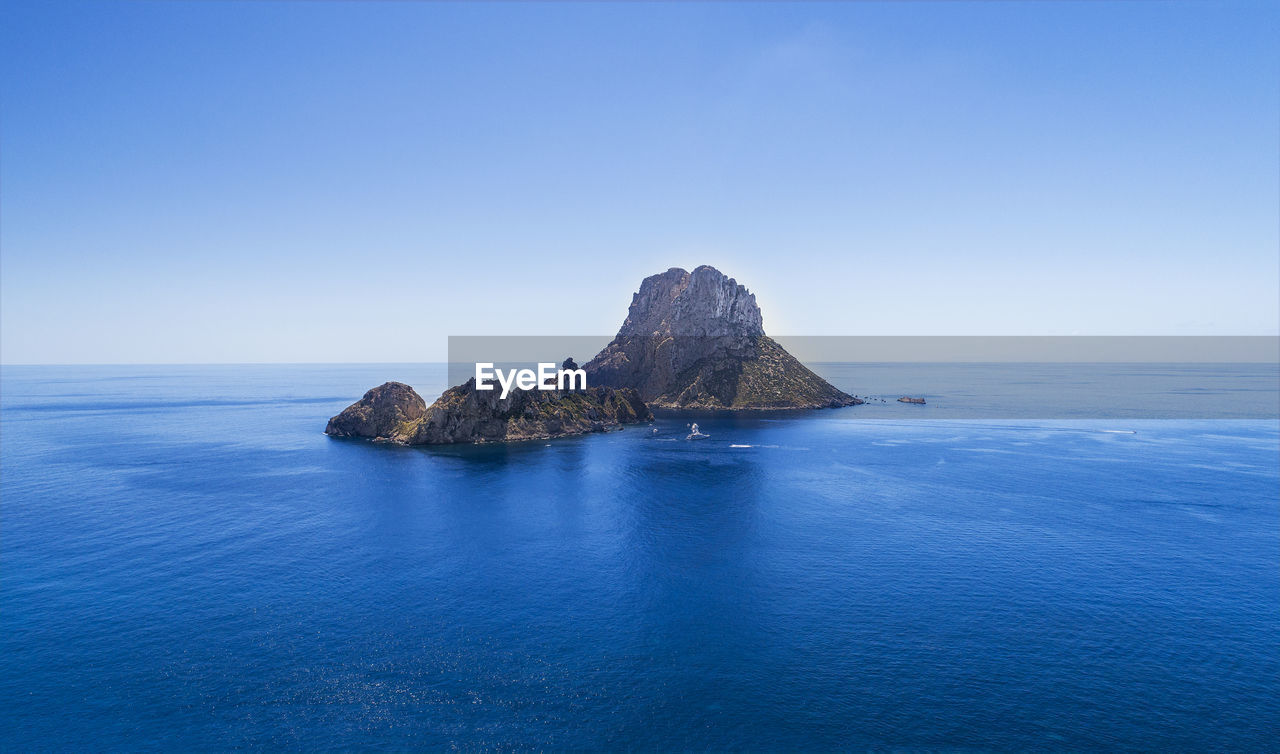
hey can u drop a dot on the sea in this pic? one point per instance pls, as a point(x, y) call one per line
point(1042, 557)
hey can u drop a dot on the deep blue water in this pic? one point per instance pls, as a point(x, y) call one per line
point(186, 562)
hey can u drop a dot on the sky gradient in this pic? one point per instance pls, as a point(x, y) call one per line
point(347, 182)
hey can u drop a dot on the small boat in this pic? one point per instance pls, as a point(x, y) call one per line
point(695, 434)
point(917, 401)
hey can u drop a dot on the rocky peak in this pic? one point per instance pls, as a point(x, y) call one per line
point(703, 303)
point(696, 340)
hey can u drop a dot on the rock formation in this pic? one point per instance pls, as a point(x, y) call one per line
point(386, 411)
point(691, 340)
point(696, 340)
point(395, 413)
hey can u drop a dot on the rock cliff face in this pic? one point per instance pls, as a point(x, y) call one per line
point(395, 413)
point(704, 303)
point(696, 340)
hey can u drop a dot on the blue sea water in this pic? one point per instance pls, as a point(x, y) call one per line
point(188, 563)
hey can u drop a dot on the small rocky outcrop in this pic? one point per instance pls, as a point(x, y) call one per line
point(696, 341)
point(385, 411)
point(463, 414)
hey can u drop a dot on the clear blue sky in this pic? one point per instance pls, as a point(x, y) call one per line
point(329, 181)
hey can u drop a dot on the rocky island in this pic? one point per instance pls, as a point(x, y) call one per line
point(691, 340)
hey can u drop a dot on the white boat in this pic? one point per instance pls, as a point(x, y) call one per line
point(695, 434)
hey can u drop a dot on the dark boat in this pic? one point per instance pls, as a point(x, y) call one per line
point(905, 399)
